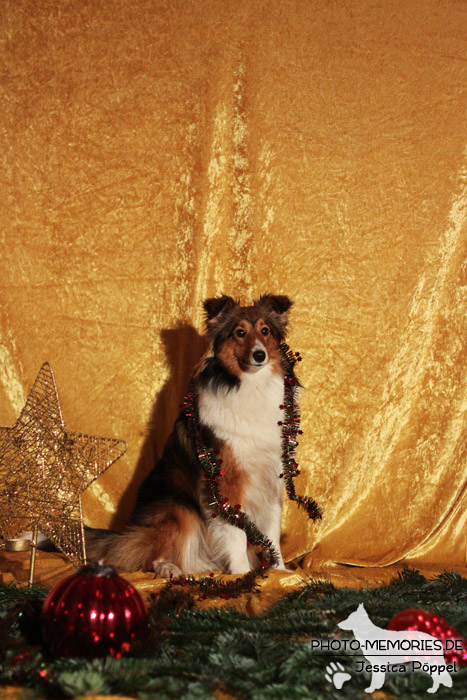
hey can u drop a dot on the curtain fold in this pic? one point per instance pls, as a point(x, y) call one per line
point(156, 153)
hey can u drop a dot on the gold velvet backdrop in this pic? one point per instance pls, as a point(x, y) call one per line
point(156, 152)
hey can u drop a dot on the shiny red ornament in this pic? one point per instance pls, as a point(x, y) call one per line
point(455, 645)
point(93, 613)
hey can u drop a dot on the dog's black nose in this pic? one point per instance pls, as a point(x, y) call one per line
point(259, 356)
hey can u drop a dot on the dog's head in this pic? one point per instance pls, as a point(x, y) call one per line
point(247, 338)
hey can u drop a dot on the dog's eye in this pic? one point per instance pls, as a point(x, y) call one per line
point(240, 333)
point(264, 330)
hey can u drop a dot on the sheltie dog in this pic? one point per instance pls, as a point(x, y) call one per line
point(240, 388)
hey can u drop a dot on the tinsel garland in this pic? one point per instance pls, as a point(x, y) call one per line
point(290, 430)
point(213, 472)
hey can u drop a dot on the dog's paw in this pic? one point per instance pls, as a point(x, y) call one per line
point(239, 569)
point(165, 569)
point(280, 566)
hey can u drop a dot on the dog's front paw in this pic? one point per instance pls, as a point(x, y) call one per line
point(280, 566)
point(239, 569)
point(165, 569)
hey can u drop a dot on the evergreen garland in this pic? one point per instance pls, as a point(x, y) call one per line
point(208, 653)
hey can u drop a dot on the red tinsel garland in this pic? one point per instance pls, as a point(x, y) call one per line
point(290, 430)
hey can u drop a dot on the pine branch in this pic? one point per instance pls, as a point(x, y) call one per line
point(200, 652)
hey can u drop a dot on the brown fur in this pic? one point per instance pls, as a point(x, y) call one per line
point(229, 358)
point(234, 482)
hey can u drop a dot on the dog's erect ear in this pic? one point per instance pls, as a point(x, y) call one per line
point(216, 309)
point(276, 306)
point(277, 303)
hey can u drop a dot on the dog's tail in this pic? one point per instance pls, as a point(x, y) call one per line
point(101, 545)
point(98, 542)
point(94, 537)
point(129, 550)
point(176, 535)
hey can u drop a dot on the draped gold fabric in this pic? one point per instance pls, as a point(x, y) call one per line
point(156, 152)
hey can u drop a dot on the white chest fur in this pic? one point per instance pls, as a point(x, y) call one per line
point(248, 420)
point(250, 412)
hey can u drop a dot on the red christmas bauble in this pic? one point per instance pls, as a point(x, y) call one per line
point(455, 645)
point(93, 613)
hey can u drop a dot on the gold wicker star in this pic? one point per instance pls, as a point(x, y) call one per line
point(44, 470)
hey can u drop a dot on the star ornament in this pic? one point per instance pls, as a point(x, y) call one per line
point(44, 469)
